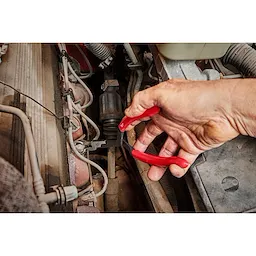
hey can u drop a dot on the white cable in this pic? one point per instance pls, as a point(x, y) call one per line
point(64, 60)
point(83, 84)
point(88, 120)
point(71, 141)
point(72, 145)
point(84, 76)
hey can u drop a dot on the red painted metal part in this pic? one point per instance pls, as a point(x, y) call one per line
point(74, 52)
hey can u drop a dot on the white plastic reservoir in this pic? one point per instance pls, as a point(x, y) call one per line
point(193, 51)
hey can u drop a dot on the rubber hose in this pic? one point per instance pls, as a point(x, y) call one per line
point(101, 51)
point(243, 57)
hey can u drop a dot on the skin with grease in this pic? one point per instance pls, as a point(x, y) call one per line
point(196, 115)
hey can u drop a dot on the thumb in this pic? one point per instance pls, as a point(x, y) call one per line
point(141, 101)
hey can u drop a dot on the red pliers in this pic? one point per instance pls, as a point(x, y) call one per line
point(144, 157)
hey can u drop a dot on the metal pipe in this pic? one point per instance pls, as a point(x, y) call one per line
point(111, 196)
point(84, 76)
point(72, 145)
point(112, 163)
point(130, 53)
point(232, 76)
point(37, 178)
point(139, 72)
point(83, 84)
point(88, 120)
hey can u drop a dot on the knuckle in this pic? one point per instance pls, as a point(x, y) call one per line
point(153, 130)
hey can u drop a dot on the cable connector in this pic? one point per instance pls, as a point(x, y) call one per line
point(61, 195)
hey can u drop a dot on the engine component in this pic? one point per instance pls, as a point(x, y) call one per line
point(243, 57)
point(111, 195)
point(134, 65)
point(61, 195)
point(3, 50)
point(226, 177)
point(76, 127)
point(97, 185)
point(101, 51)
point(187, 69)
point(110, 110)
point(193, 51)
point(85, 58)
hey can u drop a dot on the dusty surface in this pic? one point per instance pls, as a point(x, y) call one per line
point(31, 68)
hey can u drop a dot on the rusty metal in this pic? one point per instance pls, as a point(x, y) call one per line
point(97, 185)
point(111, 195)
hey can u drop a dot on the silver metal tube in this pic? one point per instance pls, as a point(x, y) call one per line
point(130, 53)
point(37, 178)
point(72, 145)
point(134, 60)
point(232, 76)
point(88, 120)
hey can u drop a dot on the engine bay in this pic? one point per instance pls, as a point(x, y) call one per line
point(67, 101)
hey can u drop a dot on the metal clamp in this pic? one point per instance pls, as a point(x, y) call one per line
point(96, 144)
point(61, 195)
point(106, 62)
point(110, 82)
point(90, 146)
point(68, 92)
point(133, 66)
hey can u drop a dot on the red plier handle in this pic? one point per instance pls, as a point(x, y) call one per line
point(148, 158)
point(159, 160)
point(126, 121)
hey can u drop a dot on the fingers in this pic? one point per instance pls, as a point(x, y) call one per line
point(141, 101)
point(147, 136)
point(136, 123)
point(169, 148)
point(178, 171)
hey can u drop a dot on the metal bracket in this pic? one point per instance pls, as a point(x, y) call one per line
point(133, 66)
point(106, 62)
point(110, 82)
point(68, 92)
point(59, 189)
point(96, 144)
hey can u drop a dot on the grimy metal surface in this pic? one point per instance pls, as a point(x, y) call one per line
point(226, 176)
point(32, 69)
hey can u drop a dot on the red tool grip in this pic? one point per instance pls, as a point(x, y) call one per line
point(159, 160)
point(126, 121)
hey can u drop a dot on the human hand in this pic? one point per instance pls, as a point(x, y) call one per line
point(196, 115)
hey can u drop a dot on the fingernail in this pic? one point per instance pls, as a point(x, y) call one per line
point(154, 176)
point(177, 171)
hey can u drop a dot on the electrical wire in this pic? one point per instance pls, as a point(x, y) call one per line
point(62, 47)
point(150, 75)
point(88, 120)
point(27, 96)
point(72, 145)
point(84, 76)
point(83, 84)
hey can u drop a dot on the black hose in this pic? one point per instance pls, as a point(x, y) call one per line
point(101, 51)
point(243, 57)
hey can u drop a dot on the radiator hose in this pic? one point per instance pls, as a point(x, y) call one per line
point(243, 57)
point(101, 51)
